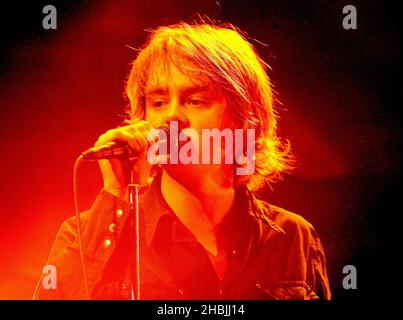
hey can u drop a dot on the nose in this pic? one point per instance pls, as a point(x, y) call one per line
point(177, 113)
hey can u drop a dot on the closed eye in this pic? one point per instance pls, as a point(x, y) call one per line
point(158, 103)
point(197, 102)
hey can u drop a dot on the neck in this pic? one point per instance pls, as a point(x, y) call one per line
point(208, 198)
point(200, 209)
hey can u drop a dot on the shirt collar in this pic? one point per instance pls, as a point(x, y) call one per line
point(245, 206)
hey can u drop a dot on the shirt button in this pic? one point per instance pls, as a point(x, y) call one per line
point(107, 243)
point(234, 252)
point(220, 292)
point(119, 213)
point(112, 227)
point(180, 291)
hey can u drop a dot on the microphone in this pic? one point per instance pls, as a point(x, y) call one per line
point(117, 149)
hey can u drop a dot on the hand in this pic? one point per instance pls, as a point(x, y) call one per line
point(115, 171)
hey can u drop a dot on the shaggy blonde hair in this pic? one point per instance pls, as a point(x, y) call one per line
point(224, 55)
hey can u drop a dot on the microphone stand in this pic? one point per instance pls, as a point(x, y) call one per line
point(134, 214)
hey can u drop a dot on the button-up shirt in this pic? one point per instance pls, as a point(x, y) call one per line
point(269, 253)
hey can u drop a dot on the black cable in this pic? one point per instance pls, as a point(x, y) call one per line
point(79, 234)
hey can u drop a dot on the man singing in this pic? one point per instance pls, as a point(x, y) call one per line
point(203, 232)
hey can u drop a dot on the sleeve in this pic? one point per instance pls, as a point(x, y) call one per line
point(101, 228)
point(316, 269)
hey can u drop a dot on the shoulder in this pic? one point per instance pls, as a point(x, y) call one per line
point(287, 220)
point(297, 248)
point(283, 218)
point(298, 236)
point(292, 225)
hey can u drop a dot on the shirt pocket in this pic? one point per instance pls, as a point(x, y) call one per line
point(285, 290)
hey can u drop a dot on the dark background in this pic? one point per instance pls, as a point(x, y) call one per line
point(340, 93)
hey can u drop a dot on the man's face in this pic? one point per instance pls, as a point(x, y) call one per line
point(187, 98)
point(190, 99)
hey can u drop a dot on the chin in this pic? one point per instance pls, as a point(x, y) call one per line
point(189, 176)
